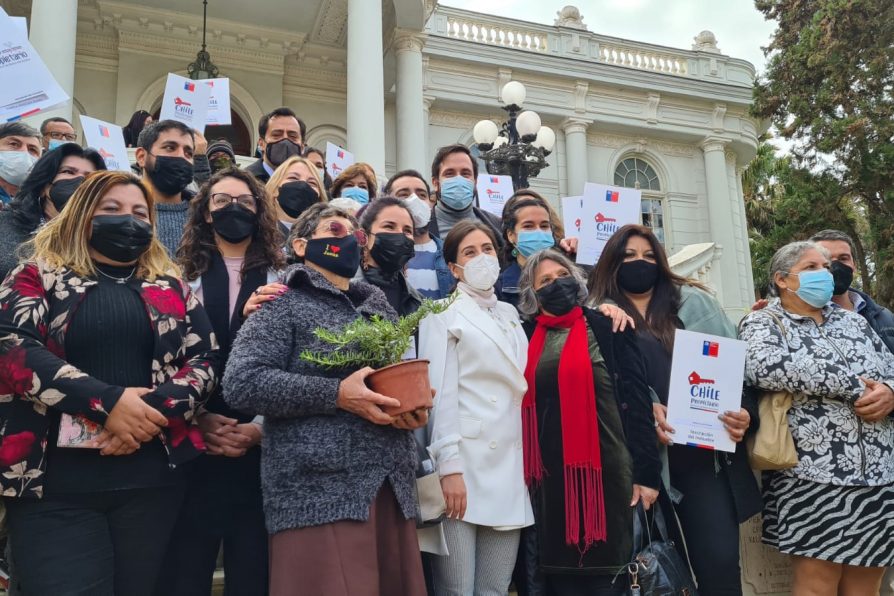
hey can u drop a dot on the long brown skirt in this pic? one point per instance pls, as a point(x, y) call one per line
point(378, 557)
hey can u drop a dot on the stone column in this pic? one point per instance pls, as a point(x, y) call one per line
point(721, 221)
point(54, 26)
point(576, 154)
point(427, 101)
point(409, 104)
point(366, 87)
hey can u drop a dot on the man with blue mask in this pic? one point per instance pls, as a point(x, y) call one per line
point(453, 175)
point(56, 131)
point(19, 149)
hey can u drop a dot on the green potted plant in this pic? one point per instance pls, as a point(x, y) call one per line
point(380, 344)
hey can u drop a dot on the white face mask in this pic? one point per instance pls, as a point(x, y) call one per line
point(15, 166)
point(481, 272)
point(419, 209)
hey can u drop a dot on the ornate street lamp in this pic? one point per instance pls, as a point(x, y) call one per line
point(203, 67)
point(518, 148)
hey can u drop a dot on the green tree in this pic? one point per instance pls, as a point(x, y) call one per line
point(784, 202)
point(828, 87)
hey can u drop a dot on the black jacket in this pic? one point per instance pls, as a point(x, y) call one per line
point(257, 170)
point(879, 318)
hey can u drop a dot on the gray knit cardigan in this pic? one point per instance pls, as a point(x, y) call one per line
point(319, 464)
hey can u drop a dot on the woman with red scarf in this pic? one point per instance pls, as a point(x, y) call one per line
point(590, 453)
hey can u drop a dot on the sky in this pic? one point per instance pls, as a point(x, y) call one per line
point(740, 29)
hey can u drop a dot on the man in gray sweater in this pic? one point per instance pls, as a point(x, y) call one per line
point(165, 156)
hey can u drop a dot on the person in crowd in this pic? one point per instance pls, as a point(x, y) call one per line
point(427, 271)
point(453, 175)
point(20, 148)
point(388, 224)
point(589, 433)
point(221, 155)
point(41, 197)
point(230, 251)
point(55, 131)
point(841, 254)
point(165, 156)
point(319, 159)
point(356, 182)
point(337, 474)
point(477, 350)
point(281, 136)
point(138, 121)
point(832, 511)
point(529, 225)
point(294, 186)
point(106, 357)
point(718, 490)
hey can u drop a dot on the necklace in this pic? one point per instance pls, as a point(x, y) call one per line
point(119, 280)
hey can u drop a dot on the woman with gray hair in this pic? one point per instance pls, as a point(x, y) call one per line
point(589, 443)
point(337, 472)
point(834, 511)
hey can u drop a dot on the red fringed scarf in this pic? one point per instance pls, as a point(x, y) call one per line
point(582, 463)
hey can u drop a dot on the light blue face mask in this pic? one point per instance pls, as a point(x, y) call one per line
point(816, 287)
point(355, 193)
point(55, 143)
point(457, 193)
point(532, 241)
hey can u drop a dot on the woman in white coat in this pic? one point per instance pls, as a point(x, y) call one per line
point(478, 352)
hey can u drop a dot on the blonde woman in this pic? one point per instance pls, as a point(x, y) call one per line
point(98, 331)
point(294, 186)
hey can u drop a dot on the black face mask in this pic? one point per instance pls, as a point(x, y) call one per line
point(391, 251)
point(280, 151)
point(296, 197)
point(843, 276)
point(62, 190)
point(234, 223)
point(121, 238)
point(341, 256)
point(559, 297)
point(637, 277)
point(170, 175)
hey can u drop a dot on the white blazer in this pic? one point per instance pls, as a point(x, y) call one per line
point(476, 420)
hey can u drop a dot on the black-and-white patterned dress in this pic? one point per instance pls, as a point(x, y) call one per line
point(837, 504)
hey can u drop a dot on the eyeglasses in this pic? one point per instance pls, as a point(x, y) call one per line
point(222, 199)
point(62, 136)
point(339, 230)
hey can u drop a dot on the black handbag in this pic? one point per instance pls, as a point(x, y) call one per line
point(656, 568)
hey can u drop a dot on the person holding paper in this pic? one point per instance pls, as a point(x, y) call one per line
point(388, 224)
point(52, 181)
point(477, 350)
point(357, 182)
point(427, 271)
point(589, 435)
point(529, 225)
point(832, 512)
point(718, 490)
point(20, 148)
point(453, 176)
point(165, 156)
point(56, 131)
point(281, 136)
point(338, 474)
point(138, 121)
point(295, 185)
point(231, 249)
point(106, 358)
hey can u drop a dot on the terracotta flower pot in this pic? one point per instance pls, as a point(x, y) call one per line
point(406, 382)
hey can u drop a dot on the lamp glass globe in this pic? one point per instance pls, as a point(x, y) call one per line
point(485, 132)
point(528, 123)
point(513, 92)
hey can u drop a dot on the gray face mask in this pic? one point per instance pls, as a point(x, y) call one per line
point(15, 166)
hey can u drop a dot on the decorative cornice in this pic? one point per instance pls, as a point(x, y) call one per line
point(575, 125)
point(453, 119)
point(717, 117)
point(652, 108)
point(581, 88)
point(711, 144)
point(407, 41)
point(331, 26)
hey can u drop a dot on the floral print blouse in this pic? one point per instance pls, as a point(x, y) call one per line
point(37, 303)
point(821, 366)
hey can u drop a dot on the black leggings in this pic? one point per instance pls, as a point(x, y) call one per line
point(708, 516)
point(101, 544)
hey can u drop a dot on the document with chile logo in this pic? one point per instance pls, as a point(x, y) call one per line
point(706, 381)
